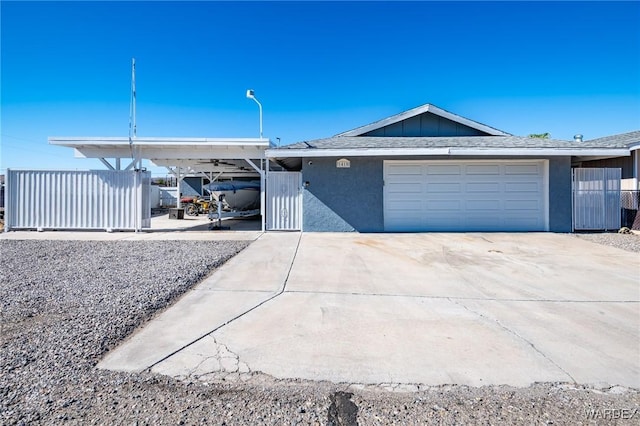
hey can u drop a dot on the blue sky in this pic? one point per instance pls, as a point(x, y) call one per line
point(318, 68)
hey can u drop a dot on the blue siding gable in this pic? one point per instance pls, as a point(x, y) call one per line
point(425, 125)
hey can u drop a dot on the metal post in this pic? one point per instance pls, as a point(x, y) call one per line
point(178, 187)
point(251, 95)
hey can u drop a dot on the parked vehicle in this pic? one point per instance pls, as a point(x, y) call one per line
point(196, 205)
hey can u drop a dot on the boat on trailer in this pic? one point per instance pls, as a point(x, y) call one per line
point(236, 195)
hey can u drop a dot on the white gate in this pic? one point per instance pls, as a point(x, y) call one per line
point(284, 201)
point(596, 199)
point(94, 199)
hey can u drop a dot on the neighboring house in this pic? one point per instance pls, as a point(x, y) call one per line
point(630, 169)
point(427, 169)
point(630, 164)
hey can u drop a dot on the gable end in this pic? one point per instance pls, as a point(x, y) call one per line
point(426, 125)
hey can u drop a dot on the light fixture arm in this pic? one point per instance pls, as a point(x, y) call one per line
point(260, 108)
point(251, 95)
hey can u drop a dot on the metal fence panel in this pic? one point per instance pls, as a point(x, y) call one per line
point(94, 199)
point(596, 198)
point(168, 196)
point(284, 201)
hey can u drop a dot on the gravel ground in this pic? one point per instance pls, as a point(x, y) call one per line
point(629, 242)
point(64, 304)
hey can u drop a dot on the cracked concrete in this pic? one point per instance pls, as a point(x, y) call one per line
point(233, 290)
point(406, 311)
point(515, 333)
point(207, 360)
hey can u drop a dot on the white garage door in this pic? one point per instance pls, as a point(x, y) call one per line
point(465, 196)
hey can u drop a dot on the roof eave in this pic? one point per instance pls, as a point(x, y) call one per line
point(452, 151)
point(74, 142)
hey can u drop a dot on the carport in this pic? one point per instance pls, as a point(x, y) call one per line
point(213, 158)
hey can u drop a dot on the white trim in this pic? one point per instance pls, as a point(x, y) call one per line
point(394, 152)
point(83, 141)
point(545, 195)
point(306, 153)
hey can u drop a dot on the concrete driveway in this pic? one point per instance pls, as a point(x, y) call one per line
point(472, 309)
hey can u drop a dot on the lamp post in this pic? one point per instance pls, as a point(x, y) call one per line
point(251, 95)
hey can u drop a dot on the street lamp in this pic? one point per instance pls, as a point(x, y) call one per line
point(251, 95)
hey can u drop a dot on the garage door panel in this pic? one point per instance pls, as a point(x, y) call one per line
point(404, 170)
point(465, 195)
point(483, 221)
point(522, 187)
point(405, 187)
point(444, 222)
point(407, 205)
point(493, 205)
point(483, 187)
point(444, 169)
point(522, 169)
point(482, 169)
point(439, 205)
point(446, 187)
point(522, 205)
point(518, 222)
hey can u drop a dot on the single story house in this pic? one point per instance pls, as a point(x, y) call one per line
point(427, 169)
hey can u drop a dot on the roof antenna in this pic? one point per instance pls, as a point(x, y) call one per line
point(132, 108)
point(132, 103)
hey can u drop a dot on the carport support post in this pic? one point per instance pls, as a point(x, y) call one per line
point(263, 184)
point(8, 183)
point(178, 179)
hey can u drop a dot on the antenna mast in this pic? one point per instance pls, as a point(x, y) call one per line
point(132, 106)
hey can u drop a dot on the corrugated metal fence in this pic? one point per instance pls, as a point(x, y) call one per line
point(596, 199)
point(94, 199)
point(168, 196)
point(284, 201)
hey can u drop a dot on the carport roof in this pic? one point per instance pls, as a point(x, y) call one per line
point(165, 150)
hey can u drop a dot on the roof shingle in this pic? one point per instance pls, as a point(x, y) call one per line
point(367, 142)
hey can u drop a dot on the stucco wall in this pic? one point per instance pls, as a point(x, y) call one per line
point(343, 200)
point(560, 194)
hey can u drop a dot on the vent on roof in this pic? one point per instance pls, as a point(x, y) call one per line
point(577, 138)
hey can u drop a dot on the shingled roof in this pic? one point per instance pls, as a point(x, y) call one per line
point(623, 139)
point(367, 142)
point(370, 140)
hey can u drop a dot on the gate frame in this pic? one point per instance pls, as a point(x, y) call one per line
point(267, 220)
point(604, 176)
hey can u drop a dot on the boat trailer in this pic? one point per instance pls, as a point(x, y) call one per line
point(218, 214)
